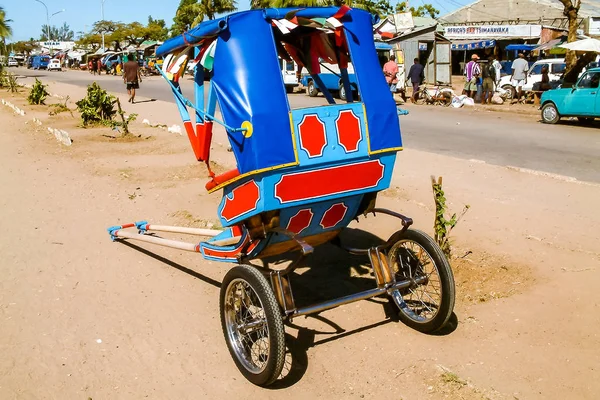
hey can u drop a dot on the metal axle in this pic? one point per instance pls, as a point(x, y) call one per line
point(367, 294)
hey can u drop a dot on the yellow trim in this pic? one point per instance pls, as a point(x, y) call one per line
point(293, 137)
point(369, 138)
point(387, 150)
point(258, 171)
point(366, 128)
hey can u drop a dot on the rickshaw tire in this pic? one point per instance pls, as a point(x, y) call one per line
point(444, 269)
point(275, 325)
point(311, 90)
point(342, 92)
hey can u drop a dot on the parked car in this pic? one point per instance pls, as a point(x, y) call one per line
point(331, 77)
point(581, 101)
point(40, 62)
point(29, 62)
point(288, 72)
point(54, 65)
point(12, 62)
point(556, 67)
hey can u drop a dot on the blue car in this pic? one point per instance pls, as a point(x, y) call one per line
point(332, 80)
point(40, 62)
point(581, 101)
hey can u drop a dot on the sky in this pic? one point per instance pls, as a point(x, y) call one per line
point(29, 15)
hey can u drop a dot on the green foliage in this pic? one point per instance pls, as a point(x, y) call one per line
point(38, 93)
point(425, 10)
point(442, 226)
point(60, 107)
point(24, 46)
point(97, 107)
point(379, 7)
point(61, 33)
point(124, 121)
point(5, 28)
point(118, 33)
point(191, 12)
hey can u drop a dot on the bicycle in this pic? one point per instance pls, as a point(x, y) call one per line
point(438, 95)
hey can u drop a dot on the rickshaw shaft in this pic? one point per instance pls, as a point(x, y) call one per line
point(367, 294)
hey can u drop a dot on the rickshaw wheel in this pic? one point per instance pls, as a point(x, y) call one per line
point(428, 305)
point(252, 324)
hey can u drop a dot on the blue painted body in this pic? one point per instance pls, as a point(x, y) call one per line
point(579, 101)
point(318, 161)
point(331, 81)
point(40, 62)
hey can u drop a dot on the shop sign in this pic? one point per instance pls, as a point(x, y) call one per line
point(492, 31)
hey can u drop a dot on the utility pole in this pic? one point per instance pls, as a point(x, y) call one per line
point(102, 9)
point(47, 20)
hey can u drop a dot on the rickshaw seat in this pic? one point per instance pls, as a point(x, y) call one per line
point(220, 179)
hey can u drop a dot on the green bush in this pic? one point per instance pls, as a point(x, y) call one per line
point(97, 107)
point(38, 93)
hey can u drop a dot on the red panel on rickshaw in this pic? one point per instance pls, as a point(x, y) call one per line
point(312, 135)
point(300, 221)
point(334, 215)
point(244, 198)
point(329, 181)
point(348, 130)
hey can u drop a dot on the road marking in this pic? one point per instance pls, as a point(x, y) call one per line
point(559, 177)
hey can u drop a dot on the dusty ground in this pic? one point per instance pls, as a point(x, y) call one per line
point(82, 317)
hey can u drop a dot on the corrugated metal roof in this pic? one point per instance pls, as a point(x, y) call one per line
point(589, 8)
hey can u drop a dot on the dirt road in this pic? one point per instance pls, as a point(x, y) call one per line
point(82, 317)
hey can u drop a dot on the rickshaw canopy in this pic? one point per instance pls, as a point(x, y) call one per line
point(249, 88)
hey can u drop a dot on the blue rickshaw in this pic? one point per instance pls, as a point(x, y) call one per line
point(302, 174)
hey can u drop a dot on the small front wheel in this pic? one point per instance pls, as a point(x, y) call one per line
point(428, 303)
point(252, 324)
point(550, 114)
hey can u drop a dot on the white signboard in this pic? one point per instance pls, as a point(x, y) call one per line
point(403, 21)
point(492, 31)
point(56, 45)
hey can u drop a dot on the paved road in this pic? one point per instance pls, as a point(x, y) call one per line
point(498, 138)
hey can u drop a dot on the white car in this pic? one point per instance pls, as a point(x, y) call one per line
point(12, 62)
point(556, 67)
point(54, 65)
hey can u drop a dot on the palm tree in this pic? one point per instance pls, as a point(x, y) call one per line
point(5, 29)
point(210, 8)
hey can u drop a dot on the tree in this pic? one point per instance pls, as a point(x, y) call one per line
point(574, 65)
point(191, 12)
point(63, 33)
point(25, 47)
point(157, 29)
point(5, 29)
point(422, 11)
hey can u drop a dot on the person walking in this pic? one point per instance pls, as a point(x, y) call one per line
point(416, 74)
point(488, 73)
point(472, 72)
point(518, 77)
point(131, 76)
point(99, 66)
point(390, 70)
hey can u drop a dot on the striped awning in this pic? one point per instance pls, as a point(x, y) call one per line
point(472, 45)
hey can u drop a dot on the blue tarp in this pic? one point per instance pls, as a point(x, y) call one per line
point(480, 44)
point(521, 47)
point(383, 46)
point(249, 86)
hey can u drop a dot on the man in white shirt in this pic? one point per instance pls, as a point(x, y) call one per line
point(519, 74)
point(498, 67)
